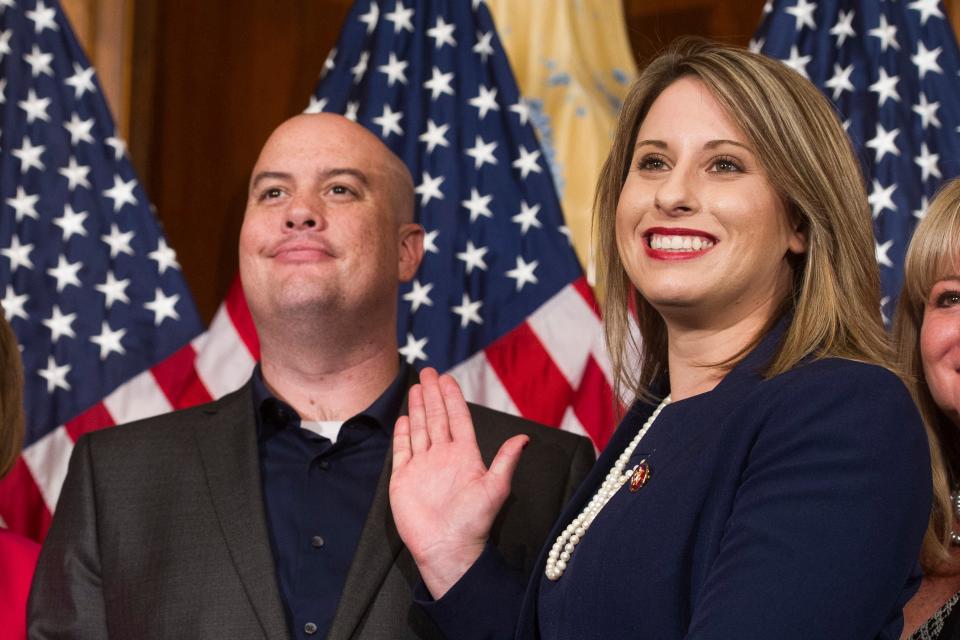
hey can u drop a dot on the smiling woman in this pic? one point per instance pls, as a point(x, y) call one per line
point(771, 479)
point(927, 337)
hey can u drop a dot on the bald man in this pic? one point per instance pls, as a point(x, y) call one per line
point(265, 514)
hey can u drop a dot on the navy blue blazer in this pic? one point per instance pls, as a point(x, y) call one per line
point(785, 508)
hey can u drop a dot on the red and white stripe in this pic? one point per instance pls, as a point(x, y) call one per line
point(553, 369)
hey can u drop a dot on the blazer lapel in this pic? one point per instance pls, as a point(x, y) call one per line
point(228, 449)
point(377, 550)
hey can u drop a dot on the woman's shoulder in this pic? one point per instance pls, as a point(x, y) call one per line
point(838, 376)
point(17, 551)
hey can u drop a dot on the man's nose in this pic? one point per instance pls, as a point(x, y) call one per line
point(304, 213)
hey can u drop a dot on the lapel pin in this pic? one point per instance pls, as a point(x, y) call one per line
point(640, 477)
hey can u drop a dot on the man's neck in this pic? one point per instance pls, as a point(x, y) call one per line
point(328, 386)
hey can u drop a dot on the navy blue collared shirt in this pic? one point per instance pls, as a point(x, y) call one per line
point(317, 495)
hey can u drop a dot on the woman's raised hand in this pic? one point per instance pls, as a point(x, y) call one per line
point(443, 497)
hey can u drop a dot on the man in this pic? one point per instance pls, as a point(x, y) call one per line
point(265, 514)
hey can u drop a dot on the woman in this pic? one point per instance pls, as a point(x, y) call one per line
point(18, 555)
point(779, 489)
point(927, 337)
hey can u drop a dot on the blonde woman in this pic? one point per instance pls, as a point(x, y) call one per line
point(927, 337)
point(772, 478)
point(18, 555)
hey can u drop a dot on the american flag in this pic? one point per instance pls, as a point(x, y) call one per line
point(89, 284)
point(500, 300)
point(892, 69)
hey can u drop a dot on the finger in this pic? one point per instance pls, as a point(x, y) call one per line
point(438, 426)
point(461, 423)
point(401, 442)
point(503, 466)
point(419, 439)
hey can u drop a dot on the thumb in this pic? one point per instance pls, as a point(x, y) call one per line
point(504, 464)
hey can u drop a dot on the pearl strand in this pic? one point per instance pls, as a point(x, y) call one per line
point(567, 541)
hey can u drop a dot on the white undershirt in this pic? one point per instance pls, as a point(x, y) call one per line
point(329, 429)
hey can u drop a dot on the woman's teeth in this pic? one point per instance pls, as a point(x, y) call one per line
point(679, 243)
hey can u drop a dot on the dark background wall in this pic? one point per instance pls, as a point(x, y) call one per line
point(210, 80)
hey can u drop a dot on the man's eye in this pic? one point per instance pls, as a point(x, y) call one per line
point(272, 192)
point(341, 190)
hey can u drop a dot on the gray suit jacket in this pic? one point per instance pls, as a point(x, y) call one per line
point(160, 532)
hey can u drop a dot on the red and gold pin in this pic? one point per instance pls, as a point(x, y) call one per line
point(640, 477)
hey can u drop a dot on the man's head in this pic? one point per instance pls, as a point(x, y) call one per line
point(328, 230)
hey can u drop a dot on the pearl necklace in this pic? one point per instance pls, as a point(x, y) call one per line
point(566, 542)
point(955, 499)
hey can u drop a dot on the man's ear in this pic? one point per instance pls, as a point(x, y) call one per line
point(411, 250)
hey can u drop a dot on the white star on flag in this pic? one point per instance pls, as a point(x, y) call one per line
point(71, 222)
point(39, 62)
point(439, 84)
point(29, 156)
point(435, 136)
point(442, 33)
point(881, 198)
point(35, 108)
point(485, 101)
point(478, 205)
point(19, 254)
point(164, 256)
point(24, 204)
point(55, 375)
point(429, 188)
point(79, 129)
point(527, 162)
point(76, 174)
point(884, 142)
point(419, 295)
point(60, 324)
point(109, 340)
point(371, 17)
point(523, 272)
point(81, 81)
point(927, 8)
point(882, 249)
point(482, 152)
point(413, 350)
point(887, 34)
point(840, 81)
point(13, 304)
point(472, 257)
point(928, 163)
point(797, 62)
point(389, 121)
point(803, 12)
point(527, 217)
point(163, 306)
point(43, 17)
point(844, 27)
point(926, 60)
point(394, 70)
point(114, 290)
point(119, 242)
point(484, 45)
point(469, 311)
point(65, 273)
point(121, 193)
point(400, 17)
point(885, 87)
point(927, 111)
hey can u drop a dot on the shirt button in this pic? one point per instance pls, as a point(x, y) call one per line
point(309, 628)
point(317, 542)
point(323, 464)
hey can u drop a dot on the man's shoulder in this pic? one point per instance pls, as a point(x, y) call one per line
point(496, 426)
point(168, 427)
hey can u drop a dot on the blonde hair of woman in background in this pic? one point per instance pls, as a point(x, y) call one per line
point(933, 258)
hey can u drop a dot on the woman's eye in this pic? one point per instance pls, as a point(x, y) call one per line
point(652, 163)
point(948, 299)
point(726, 165)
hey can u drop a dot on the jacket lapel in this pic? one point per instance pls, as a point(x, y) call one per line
point(228, 449)
point(377, 550)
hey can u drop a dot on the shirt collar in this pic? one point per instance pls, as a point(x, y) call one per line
point(273, 414)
